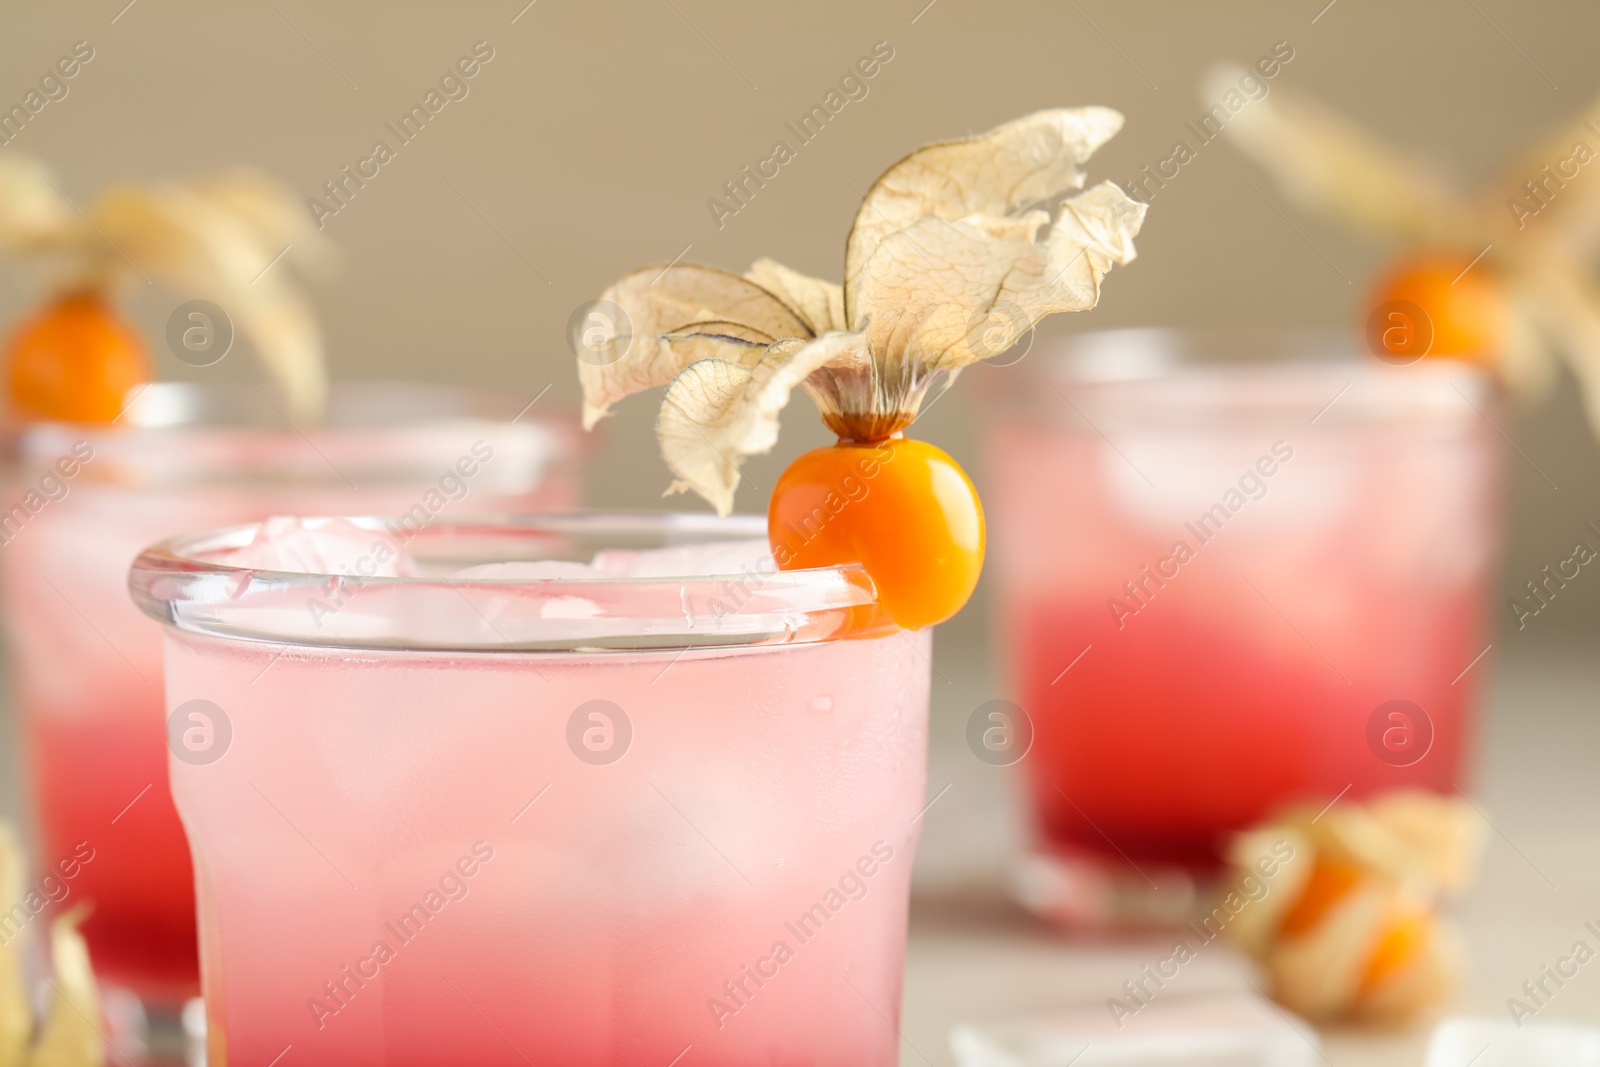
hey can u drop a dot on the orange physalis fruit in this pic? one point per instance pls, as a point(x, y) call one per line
point(955, 253)
point(75, 361)
point(1402, 941)
point(901, 508)
point(1438, 305)
point(1330, 882)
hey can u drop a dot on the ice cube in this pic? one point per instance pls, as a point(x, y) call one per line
point(319, 546)
point(1230, 1030)
point(679, 561)
point(1495, 1042)
point(687, 561)
point(569, 607)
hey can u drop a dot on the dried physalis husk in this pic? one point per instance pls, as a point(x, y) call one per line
point(1331, 165)
point(230, 238)
point(956, 252)
point(1335, 167)
point(16, 1016)
point(1349, 927)
point(69, 1036)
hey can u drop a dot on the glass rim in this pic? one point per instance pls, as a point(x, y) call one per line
point(234, 405)
point(180, 433)
point(175, 583)
point(1085, 353)
point(1165, 375)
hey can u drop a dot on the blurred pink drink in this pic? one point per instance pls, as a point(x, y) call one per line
point(1219, 587)
point(544, 812)
point(87, 664)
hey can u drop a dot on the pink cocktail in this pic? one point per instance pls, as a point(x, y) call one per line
point(658, 807)
point(87, 665)
point(1224, 587)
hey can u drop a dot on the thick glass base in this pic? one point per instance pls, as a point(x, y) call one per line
point(1084, 891)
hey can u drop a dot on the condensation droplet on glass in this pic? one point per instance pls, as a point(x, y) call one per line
point(821, 703)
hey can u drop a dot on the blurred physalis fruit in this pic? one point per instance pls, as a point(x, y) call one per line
point(1439, 305)
point(70, 1032)
point(901, 508)
point(75, 361)
point(1346, 915)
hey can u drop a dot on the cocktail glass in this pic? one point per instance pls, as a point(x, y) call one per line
point(477, 805)
point(86, 664)
point(1233, 571)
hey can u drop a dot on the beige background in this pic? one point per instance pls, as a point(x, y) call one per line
point(591, 143)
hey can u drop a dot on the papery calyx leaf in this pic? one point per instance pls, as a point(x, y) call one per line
point(718, 412)
point(33, 213)
point(630, 350)
point(956, 252)
point(819, 303)
point(1332, 166)
point(69, 1037)
point(995, 175)
point(220, 243)
point(16, 1012)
